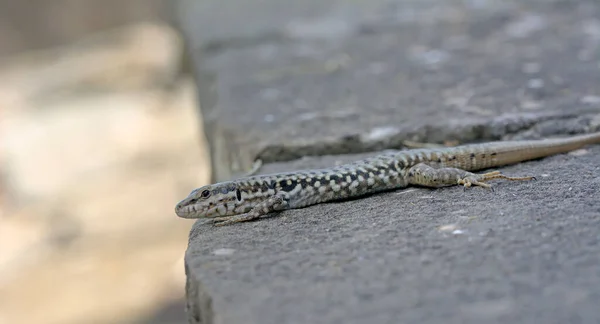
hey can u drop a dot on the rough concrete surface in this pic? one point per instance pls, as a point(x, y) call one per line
point(526, 253)
point(328, 79)
point(402, 69)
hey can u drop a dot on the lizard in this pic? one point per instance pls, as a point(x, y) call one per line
point(251, 197)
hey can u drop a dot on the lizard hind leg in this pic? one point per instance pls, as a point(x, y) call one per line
point(427, 176)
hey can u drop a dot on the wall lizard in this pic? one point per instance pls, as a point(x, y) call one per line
point(251, 197)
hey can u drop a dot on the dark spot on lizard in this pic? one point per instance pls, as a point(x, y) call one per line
point(288, 187)
point(364, 174)
point(269, 185)
point(238, 194)
point(265, 187)
point(353, 176)
point(493, 154)
point(335, 178)
point(398, 165)
point(472, 155)
point(304, 182)
point(451, 158)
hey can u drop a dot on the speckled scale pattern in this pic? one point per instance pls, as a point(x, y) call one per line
point(389, 170)
point(253, 196)
point(305, 188)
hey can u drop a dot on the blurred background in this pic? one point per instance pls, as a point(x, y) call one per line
point(100, 137)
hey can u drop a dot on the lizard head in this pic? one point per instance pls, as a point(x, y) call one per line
point(221, 199)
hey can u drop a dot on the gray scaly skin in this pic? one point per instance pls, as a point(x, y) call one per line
point(252, 197)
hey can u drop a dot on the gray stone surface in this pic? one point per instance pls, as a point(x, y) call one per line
point(526, 253)
point(281, 80)
point(436, 70)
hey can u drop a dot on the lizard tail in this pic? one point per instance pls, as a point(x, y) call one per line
point(475, 157)
point(518, 151)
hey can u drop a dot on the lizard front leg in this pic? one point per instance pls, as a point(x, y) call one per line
point(272, 204)
point(427, 176)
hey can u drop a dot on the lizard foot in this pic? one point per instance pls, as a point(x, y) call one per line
point(479, 179)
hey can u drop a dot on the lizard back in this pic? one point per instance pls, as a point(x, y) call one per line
point(387, 171)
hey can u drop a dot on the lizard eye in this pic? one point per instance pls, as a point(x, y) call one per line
point(205, 194)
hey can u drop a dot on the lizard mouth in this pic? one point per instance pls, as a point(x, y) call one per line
point(195, 211)
point(183, 211)
point(189, 211)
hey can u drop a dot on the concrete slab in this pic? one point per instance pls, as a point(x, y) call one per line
point(526, 253)
point(400, 70)
point(332, 79)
